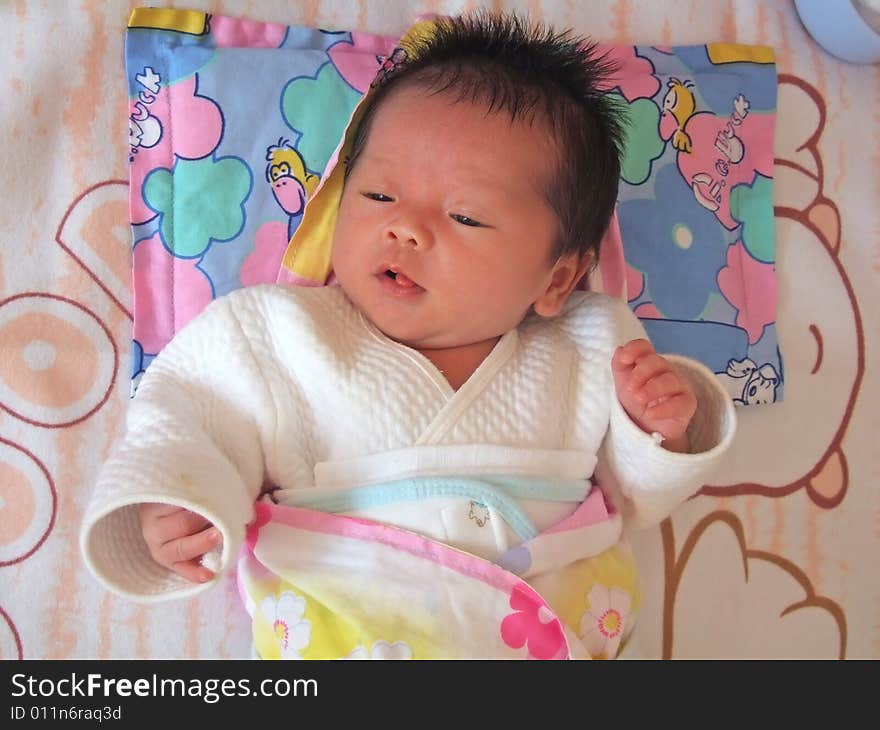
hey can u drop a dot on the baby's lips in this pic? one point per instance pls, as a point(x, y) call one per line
point(404, 280)
point(400, 278)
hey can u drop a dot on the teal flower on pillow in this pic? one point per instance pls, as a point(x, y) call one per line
point(319, 109)
point(752, 206)
point(200, 201)
point(643, 144)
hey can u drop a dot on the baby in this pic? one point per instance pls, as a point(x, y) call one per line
point(454, 386)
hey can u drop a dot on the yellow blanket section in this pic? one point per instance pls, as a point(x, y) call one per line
point(338, 599)
point(308, 252)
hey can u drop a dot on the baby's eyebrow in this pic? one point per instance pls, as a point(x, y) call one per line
point(471, 179)
point(380, 159)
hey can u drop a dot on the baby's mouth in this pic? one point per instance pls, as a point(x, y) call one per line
point(397, 283)
point(401, 278)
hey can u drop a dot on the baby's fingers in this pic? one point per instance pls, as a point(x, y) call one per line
point(184, 549)
point(648, 368)
point(179, 523)
point(193, 571)
point(625, 355)
point(664, 385)
point(680, 406)
point(156, 510)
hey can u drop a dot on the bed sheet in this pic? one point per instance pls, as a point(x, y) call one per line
point(775, 558)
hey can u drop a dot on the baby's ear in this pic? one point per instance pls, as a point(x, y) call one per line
point(567, 272)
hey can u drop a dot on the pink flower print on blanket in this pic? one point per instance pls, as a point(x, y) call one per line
point(533, 625)
point(168, 293)
point(150, 138)
point(358, 61)
point(605, 621)
point(270, 243)
point(717, 153)
point(243, 33)
point(750, 286)
point(634, 77)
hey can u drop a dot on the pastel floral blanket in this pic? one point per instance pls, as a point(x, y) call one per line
point(358, 589)
point(234, 124)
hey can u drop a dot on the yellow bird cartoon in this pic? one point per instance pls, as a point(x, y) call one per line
point(292, 185)
point(680, 103)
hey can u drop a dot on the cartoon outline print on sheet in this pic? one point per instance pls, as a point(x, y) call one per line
point(581, 592)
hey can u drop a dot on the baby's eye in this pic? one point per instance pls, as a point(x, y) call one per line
point(465, 221)
point(378, 197)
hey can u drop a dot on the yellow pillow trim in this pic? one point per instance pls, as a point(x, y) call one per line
point(182, 21)
point(720, 53)
point(308, 253)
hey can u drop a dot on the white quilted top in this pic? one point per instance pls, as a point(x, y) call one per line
point(271, 385)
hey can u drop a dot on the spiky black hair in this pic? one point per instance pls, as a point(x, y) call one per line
point(534, 74)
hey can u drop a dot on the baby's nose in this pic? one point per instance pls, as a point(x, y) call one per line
point(410, 230)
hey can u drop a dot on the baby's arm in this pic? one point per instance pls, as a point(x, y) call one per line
point(193, 442)
point(695, 414)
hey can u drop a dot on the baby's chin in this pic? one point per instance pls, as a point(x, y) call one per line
point(447, 341)
point(415, 339)
point(425, 330)
point(420, 337)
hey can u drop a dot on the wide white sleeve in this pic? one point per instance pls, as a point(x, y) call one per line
point(192, 439)
point(645, 481)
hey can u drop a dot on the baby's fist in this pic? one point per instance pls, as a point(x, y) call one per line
point(654, 395)
point(178, 539)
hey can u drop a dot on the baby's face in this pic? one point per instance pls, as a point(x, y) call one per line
point(444, 236)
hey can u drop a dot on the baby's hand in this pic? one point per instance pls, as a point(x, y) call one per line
point(178, 538)
point(655, 396)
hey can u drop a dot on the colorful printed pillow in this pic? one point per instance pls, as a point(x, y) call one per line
point(234, 122)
